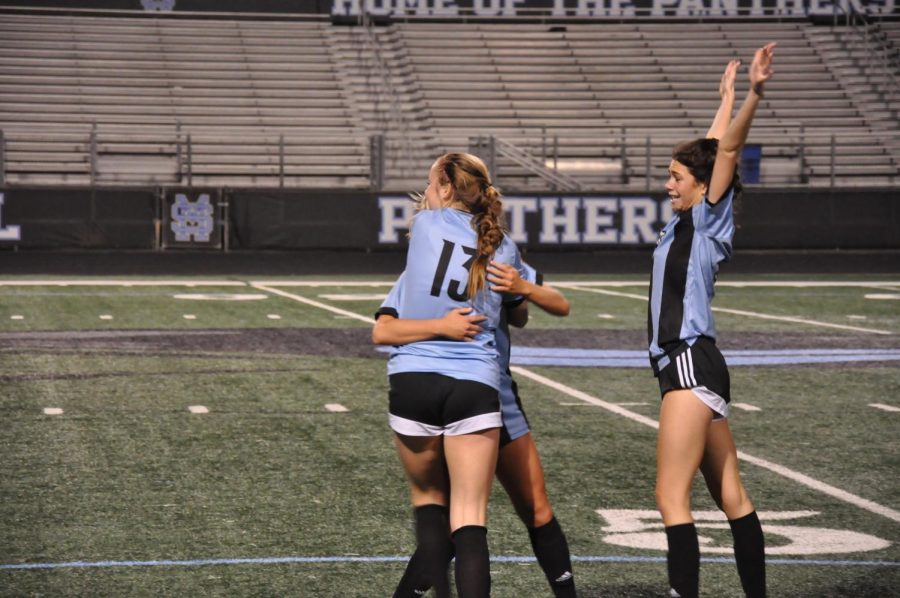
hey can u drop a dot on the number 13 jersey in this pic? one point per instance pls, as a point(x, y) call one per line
point(442, 247)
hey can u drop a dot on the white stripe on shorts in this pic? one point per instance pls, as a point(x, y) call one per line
point(678, 365)
point(690, 368)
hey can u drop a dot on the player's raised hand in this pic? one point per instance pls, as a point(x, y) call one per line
point(761, 68)
point(459, 326)
point(726, 84)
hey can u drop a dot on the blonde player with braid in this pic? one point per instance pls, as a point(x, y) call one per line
point(444, 401)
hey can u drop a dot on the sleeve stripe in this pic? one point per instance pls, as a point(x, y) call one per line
point(387, 311)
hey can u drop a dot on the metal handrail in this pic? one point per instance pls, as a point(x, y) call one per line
point(526, 160)
point(397, 118)
point(854, 20)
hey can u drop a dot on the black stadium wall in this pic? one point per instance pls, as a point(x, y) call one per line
point(192, 218)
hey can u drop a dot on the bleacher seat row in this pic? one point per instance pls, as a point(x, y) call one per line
point(236, 102)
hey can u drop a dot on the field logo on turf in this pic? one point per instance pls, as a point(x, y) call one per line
point(644, 530)
point(8, 233)
point(192, 221)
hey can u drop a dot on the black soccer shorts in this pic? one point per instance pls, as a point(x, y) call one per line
point(428, 404)
point(701, 368)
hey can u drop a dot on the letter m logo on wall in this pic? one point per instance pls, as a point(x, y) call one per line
point(192, 219)
point(8, 233)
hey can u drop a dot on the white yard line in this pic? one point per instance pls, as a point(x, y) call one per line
point(320, 283)
point(314, 303)
point(121, 283)
point(738, 312)
point(591, 289)
point(752, 314)
point(801, 284)
point(798, 477)
point(884, 407)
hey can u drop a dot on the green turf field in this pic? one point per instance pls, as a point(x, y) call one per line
point(285, 482)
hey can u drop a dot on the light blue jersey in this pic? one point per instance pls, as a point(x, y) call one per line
point(685, 263)
point(441, 249)
point(513, 417)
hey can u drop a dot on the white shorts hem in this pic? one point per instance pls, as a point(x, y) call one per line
point(408, 427)
point(712, 400)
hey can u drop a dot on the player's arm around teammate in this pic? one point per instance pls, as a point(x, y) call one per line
point(693, 376)
point(444, 402)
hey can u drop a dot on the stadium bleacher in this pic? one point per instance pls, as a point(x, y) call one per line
point(241, 102)
point(120, 100)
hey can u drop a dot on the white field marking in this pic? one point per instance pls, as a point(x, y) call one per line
point(122, 283)
point(314, 303)
point(52, 411)
point(106, 317)
point(801, 284)
point(619, 404)
point(606, 316)
point(884, 407)
point(583, 396)
point(221, 296)
point(336, 408)
point(16, 317)
point(318, 283)
point(643, 529)
point(273, 316)
point(746, 407)
point(796, 476)
point(198, 409)
point(189, 317)
point(883, 296)
point(856, 317)
point(738, 312)
point(798, 320)
point(359, 297)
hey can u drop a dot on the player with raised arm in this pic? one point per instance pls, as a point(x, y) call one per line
point(693, 377)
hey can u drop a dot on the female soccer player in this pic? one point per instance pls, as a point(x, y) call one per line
point(519, 466)
point(443, 402)
point(693, 377)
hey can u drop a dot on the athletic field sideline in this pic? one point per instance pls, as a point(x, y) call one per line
point(227, 435)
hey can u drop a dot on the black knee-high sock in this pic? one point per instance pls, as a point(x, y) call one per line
point(749, 552)
point(552, 552)
point(473, 563)
point(428, 565)
point(683, 559)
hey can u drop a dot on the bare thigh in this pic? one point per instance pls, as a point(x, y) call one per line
point(721, 472)
point(519, 470)
point(422, 458)
point(683, 426)
point(471, 462)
